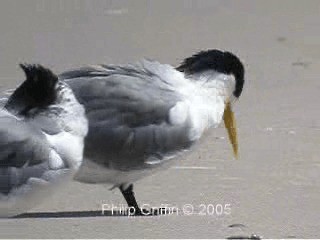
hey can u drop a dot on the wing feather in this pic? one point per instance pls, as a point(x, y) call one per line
point(23, 152)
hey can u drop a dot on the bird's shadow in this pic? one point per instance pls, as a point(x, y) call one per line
point(84, 214)
point(70, 214)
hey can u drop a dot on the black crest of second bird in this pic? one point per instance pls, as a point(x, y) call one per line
point(37, 91)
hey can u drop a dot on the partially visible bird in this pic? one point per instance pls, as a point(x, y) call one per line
point(142, 116)
point(42, 130)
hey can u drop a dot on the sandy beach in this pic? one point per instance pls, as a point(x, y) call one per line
point(272, 190)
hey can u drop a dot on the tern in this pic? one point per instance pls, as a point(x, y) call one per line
point(42, 130)
point(142, 116)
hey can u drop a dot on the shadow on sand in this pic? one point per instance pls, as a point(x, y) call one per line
point(73, 214)
point(80, 214)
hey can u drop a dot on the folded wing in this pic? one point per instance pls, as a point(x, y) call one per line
point(129, 109)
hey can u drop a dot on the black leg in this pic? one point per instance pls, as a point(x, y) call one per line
point(128, 195)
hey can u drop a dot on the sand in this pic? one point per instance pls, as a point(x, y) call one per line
point(272, 190)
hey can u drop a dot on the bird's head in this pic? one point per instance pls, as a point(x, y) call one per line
point(222, 63)
point(37, 91)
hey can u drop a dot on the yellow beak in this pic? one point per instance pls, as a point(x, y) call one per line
point(230, 124)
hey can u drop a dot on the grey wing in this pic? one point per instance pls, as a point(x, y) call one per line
point(128, 112)
point(23, 153)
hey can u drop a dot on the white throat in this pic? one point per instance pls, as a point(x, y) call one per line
point(223, 84)
point(206, 96)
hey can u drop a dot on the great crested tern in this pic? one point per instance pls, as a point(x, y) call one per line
point(42, 130)
point(142, 116)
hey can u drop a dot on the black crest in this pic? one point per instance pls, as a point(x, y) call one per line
point(37, 91)
point(223, 62)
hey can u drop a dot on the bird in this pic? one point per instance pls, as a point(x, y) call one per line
point(146, 115)
point(42, 130)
